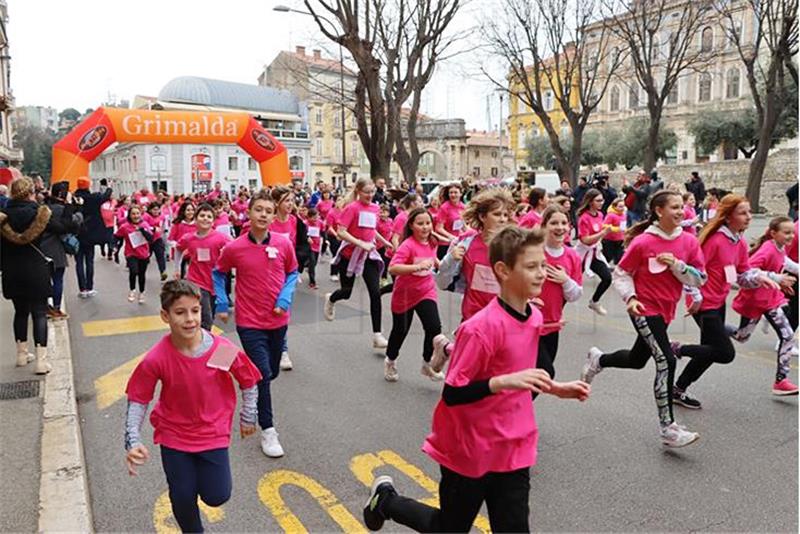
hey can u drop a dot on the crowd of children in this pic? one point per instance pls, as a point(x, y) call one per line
point(517, 263)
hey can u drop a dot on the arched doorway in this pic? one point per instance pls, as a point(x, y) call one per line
point(432, 165)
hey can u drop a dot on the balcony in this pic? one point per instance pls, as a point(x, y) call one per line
point(288, 134)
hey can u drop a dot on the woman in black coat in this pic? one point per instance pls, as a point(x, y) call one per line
point(26, 269)
point(65, 219)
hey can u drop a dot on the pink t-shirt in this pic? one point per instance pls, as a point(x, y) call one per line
point(323, 208)
point(497, 433)
point(615, 220)
point(156, 223)
point(659, 291)
point(316, 240)
point(239, 208)
point(107, 213)
point(689, 214)
point(399, 224)
point(552, 293)
point(178, 230)
point(194, 411)
point(753, 303)
point(222, 223)
point(385, 230)
point(532, 219)
point(203, 253)
point(136, 246)
point(261, 271)
point(725, 260)
point(481, 284)
point(287, 228)
point(589, 224)
point(121, 215)
point(411, 289)
point(332, 220)
point(361, 221)
point(449, 215)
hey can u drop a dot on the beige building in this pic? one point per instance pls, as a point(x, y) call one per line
point(317, 82)
point(488, 155)
point(9, 155)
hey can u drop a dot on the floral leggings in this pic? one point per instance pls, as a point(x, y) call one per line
point(780, 323)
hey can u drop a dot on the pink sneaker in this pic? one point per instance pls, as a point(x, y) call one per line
point(784, 387)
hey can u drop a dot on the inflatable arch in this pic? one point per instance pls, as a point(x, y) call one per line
point(87, 140)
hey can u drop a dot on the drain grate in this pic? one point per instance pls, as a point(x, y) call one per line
point(19, 390)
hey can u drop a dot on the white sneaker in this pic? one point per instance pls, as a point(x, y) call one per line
point(440, 356)
point(597, 308)
point(83, 294)
point(592, 366)
point(132, 296)
point(329, 310)
point(91, 293)
point(334, 278)
point(378, 341)
point(675, 435)
point(141, 298)
point(428, 371)
point(270, 445)
point(390, 370)
point(286, 363)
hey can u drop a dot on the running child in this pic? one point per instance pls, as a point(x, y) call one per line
point(266, 276)
point(316, 230)
point(727, 263)
point(538, 202)
point(449, 223)
point(414, 291)
point(202, 249)
point(616, 220)
point(155, 219)
point(484, 433)
point(690, 217)
point(120, 218)
point(659, 259)
point(195, 368)
point(591, 232)
point(769, 254)
point(137, 235)
point(331, 233)
point(184, 224)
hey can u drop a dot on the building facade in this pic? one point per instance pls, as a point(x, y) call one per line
point(10, 156)
point(184, 168)
point(43, 117)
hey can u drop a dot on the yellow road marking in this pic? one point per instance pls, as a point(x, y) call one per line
point(269, 492)
point(363, 467)
point(128, 325)
point(110, 387)
point(164, 523)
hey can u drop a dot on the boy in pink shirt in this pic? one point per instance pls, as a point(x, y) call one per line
point(193, 415)
point(484, 431)
point(266, 276)
point(316, 230)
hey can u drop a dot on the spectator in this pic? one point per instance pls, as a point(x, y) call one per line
point(64, 219)
point(791, 196)
point(316, 196)
point(580, 190)
point(696, 187)
point(93, 232)
point(3, 196)
point(565, 190)
point(380, 191)
point(636, 195)
point(608, 192)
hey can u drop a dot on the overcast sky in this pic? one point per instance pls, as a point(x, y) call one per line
point(75, 53)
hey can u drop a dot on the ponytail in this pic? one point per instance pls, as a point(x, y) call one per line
point(659, 200)
point(774, 226)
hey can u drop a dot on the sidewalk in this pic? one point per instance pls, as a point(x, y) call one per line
point(41, 455)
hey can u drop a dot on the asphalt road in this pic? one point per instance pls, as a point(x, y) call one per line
point(601, 466)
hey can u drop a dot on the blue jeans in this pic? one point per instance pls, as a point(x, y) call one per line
point(84, 266)
point(189, 474)
point(263, 347)
point(58, 286)
point(633, 218)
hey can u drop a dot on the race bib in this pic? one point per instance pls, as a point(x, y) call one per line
point(623, 225)
point(425, 272)
point(730, 274)
point(483, 279)
point(223, 357)
point(596, 227)
point(710, 214)
point(367, 219)
point(458, 225)
point(313, 231)
point(655, 266)
point(224, 229)
point(203, 254)
point(137, 239)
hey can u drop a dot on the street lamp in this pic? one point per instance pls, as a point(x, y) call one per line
point(287, 9)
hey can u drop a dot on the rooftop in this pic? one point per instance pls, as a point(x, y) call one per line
point(220, 93)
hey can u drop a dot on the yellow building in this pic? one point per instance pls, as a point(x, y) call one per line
point(523, 123)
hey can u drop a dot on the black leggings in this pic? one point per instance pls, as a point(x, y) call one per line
point(613, 250)
point(334, 244)
point(371, 279)
point(158, 249)
point(651, 342)
point(37, 310)
point(601, 270)
point(715, 347)
point(548, 348)
point(428, 313)
point(791, 310)
point(137, 270)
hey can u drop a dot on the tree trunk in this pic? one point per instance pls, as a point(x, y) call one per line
point(651, 147)
point(575, 156)
point(759, 162)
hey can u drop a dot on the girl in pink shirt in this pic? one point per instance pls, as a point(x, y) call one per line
point(357, 229)
point(137, 235)
point(331, 233)
point(690, 218)
point(660, 258)
point(449, 223)
point(591, 231)
point(484, 433)
point(184, 224)
point(563, 284)
point(193, 415)
point(107, 210)
point(613, 241)
point(538, 201)
point(316, 233)
point(155, 219)
point(385, 224)
point(120, 218)
point(239, 213)
point(414, 291)
point(769, 254)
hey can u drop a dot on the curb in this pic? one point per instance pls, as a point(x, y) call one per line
point(64, 503)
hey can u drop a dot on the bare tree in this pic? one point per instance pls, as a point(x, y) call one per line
point(395, 45)
point(767, 57)
point(554, 59)
point(662, 37)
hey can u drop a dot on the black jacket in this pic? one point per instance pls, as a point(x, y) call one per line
point(94, 230)
point(64, 220)
point(26, 273)
point(698, 189)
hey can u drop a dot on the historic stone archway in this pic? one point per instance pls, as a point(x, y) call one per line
point(73, 153)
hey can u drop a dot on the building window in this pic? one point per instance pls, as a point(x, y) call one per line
point(251, 164)
point(704, 88)
point(233, 163)
point(732, 83)
point(613, 58)
point(564, 128)
point(476, 171)
point(614, 104)
point(296, 163)
point(337, 120)
point(548, 100)
point(707, 39)
point(494, 171)
point(522, 137)
point(354, 149)
point(252, 184)
point(477, 154)
point(318, 116)
point(337, 149)
point(318, 148)
point(494, 154)
point(672, 97)
point(633, 97)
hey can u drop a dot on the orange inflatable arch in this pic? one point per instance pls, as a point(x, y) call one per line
point(73, 153)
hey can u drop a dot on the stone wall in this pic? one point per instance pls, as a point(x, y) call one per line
point(781, 172)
